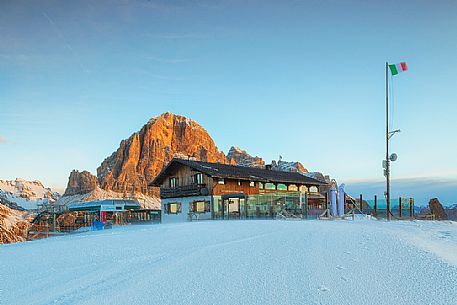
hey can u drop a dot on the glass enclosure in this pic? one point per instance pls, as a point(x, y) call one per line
point(269, 205)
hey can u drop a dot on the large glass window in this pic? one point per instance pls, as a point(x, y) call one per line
point(261, 185)
point(303, 189)
point(200, 206)
point(282, 187)
point(198, 178)
point(173, 208)
point(234, 205)
point(293, 188)
point(252, 183)
point(270, 186)
point(313, 189)
point(221, 181)
point(173, 182)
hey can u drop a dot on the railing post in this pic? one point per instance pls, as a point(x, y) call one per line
point(375, 206)
point(361, 203)
point(399, 206)
point(411, 208)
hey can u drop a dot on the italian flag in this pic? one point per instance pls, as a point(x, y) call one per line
point(395, 69)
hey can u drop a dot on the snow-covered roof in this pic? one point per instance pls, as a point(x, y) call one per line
point(96, 204)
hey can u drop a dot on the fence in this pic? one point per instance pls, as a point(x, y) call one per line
point(400, 208)
point(48, 224)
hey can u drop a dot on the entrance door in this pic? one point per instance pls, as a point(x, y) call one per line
point(233, 207)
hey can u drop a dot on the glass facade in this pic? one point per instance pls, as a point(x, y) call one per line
point(269, 205)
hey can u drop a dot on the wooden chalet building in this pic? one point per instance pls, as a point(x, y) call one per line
point(192, 190)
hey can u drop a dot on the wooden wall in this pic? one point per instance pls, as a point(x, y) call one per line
point(231, 186)
point(184, 174)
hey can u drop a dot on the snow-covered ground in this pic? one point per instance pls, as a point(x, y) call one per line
point(238, 262)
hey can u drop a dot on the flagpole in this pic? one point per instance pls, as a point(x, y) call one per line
point(387, 145)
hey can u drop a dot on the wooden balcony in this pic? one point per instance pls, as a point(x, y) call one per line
point(184, 191)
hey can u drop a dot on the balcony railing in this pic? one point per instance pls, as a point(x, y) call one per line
point(184, 191)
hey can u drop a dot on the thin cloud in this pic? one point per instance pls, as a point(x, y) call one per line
point(174, 35)
point(159, 76)
point(167, 60)
point(66, 43)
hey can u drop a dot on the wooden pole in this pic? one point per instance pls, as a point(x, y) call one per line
point(361, 203)
point(399, 206)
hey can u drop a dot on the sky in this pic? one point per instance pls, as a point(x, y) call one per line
point(300, 79)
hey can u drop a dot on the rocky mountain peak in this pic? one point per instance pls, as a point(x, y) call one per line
point(286, 166)
point(80, 183)
point(240, 157)
point(142, 156)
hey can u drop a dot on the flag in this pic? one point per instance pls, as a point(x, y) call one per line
point(395, 69)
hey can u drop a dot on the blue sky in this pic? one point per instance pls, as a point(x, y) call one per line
point(301, 79)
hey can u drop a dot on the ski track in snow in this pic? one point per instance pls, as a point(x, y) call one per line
point(238, 262)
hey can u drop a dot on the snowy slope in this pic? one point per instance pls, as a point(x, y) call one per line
point(25, 194)
point(145, 201)
point(238, 262)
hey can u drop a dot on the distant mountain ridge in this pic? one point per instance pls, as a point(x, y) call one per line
point(21, 194)
point(240, 157)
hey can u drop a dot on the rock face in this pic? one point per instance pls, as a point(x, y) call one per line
point(288, 166)
point(21, 194)
point(13, 227)
point(140, 158)
point(241, 157)
point(80, 183)
point(437, 209)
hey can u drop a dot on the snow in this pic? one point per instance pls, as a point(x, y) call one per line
point(26, 194)
point(238, 262)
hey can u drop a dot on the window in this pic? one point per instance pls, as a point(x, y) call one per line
point(239, 182)
point(200, 206)
point(261, 185)
point(303, 189)
point(173, 182)
point(282, 187)
point(234, 205)
point(252, 183)
point(173, 208)
point(313, 189)
point(221, 181)
point(293, 188)
point(270, 186)
point(198, 178)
